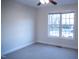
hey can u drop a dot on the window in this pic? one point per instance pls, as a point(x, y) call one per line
point(61, 25)
point(67, 24)
point(53, 24)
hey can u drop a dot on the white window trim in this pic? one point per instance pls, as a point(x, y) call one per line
point(60, 29)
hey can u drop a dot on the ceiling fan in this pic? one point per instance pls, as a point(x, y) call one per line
point(46, 2)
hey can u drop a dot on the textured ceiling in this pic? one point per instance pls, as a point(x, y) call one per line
point(33, 3)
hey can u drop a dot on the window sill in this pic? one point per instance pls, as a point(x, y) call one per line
point(64, 38)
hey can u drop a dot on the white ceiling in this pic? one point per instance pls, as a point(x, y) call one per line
point(33, 3)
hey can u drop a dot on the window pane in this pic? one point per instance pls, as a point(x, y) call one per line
point(71, 21)
point(68, 18)
point(72, 15)
point(53, 24)
point(65, 21)
point(67, 25)
point(54, 30)
point(67, 31)
point(63, 16)
point(55, 18)
point(67, 15)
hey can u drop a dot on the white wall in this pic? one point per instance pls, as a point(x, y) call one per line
point(17, 26)
point(42, 25)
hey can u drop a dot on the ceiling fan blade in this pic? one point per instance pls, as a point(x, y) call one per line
point(53, 2)
point(38, 4)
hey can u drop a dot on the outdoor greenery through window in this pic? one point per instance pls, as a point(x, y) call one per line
point(61, 25)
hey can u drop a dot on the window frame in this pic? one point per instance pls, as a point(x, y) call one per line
point(60, 27)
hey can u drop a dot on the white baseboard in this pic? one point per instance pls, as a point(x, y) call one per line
point(56, 45)
point(17, 48)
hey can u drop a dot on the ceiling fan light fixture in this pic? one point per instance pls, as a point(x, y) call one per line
point(44, 1)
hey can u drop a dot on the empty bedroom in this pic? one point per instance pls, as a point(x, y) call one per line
point(39, 29)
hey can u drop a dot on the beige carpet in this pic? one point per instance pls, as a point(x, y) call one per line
point(41, 51)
